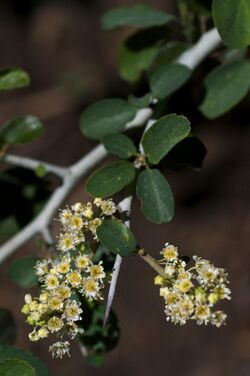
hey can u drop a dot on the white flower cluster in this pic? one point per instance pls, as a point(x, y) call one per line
point(70, 274)
point(81, 219)
point(190, 294)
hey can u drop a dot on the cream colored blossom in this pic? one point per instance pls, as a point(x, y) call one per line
point(97, 271)
point(91, 288)
point(55, 303)
point(51, 281)
point(169, 252)
point(55, 324)
point(82, 261)
point(72, 311)
point(74, 278)
point(190, 294)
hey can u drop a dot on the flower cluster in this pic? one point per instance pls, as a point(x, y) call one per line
point(81, 219)
point(68, 277)
point(190, 294)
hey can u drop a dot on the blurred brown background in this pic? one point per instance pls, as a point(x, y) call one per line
point(72, 63)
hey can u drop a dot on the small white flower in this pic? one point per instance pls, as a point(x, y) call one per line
point(59, 349)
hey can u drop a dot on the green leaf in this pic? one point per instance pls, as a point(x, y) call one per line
point(232, 19)
point(166, 79)
point(98, 339)
point(140, 102)
point(116, 237)
point(110, 179)
point(21, 130)
point(135, 15)
point(7, 352)
point(120, 145)
point(138, 51)
point(7, 327)
point(13, 78)
point(225, 87)
point(133, 63)
point(164, 135)
point(22, 272)
point(156, 196)
point(16, 367)
point(105, 117)
point(229, 55)
point(168, 54)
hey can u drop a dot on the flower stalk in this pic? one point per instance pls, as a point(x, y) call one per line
point(151, 262)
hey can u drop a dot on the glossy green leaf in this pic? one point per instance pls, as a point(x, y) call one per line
point(21, 130)
point(116, 237)
point(154, 192)
point(7, 327)
point(16, 367)
point(119, 145)
point(164, 135)
point(166, 79)
point(7, 352)
point(225, 87)
point(105, 117)
point(22, 272)
point(232, 19)
point(110, 179)
point(13, 78)
point(135, 15)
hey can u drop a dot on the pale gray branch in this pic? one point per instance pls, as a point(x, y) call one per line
point(32, 164)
